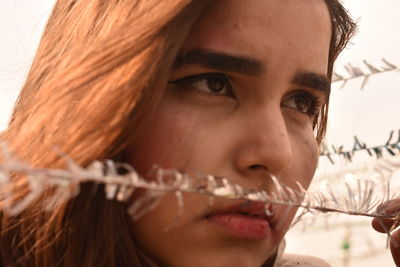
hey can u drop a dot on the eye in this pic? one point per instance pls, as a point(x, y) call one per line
point(212, 83)
point(303, 102)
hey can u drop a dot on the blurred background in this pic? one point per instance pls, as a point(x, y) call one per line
point(365, 106)
point(364, 103)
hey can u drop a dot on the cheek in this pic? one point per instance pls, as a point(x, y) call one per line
point(308, 153)
point(305, 154)
point(164, 141)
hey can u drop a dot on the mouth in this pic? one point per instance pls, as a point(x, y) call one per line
point(246, 220)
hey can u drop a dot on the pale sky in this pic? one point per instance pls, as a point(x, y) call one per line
point(21, 24)
point(370, 113)
point(372, 110)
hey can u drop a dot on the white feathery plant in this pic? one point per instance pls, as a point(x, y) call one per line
point(362, 197)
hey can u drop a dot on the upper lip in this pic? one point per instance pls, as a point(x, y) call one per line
point(251, 208)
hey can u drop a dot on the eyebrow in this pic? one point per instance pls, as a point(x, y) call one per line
point(221, 61)
point(248, 66)
point(314, 81)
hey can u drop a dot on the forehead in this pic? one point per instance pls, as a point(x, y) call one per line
point(289, 29)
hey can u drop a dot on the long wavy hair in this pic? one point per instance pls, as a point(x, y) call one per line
point(100, 67)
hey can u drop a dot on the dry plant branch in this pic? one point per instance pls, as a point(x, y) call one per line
point(355, 72)
point(391, 147)
point(360, 197)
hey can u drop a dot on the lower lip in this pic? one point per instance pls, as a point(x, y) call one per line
point(242, 226)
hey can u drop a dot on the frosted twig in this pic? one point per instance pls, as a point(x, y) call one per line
point(355, 72)
point(361, 198)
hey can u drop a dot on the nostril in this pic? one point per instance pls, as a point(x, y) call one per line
point(257, 167)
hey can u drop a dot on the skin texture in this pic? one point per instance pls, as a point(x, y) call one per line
point(258, 130)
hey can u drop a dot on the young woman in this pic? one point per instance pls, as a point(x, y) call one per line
point(233, 88)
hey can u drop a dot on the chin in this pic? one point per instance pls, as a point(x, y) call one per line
point(236, 257)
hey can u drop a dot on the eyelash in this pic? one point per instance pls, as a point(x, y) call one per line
point(224, 80)
point(313, 101)
point(314, 104)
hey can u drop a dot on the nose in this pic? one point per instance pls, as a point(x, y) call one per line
point(264, 143)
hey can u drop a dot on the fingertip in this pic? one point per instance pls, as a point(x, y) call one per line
point(375, 224)
point(395, 246)
point(381, 225)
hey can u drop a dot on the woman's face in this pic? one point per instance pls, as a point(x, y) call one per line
point(241, 101)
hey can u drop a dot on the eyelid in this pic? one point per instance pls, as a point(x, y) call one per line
point(319, 97)
point(191, 79)
point(316, 102)
point(200, 76)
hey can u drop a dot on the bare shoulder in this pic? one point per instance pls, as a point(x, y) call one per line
point(289, 260)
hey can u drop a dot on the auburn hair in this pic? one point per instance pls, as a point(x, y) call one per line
point(100, 67)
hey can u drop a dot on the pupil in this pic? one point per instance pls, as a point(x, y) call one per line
point(302, 103)
point(215, 85)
